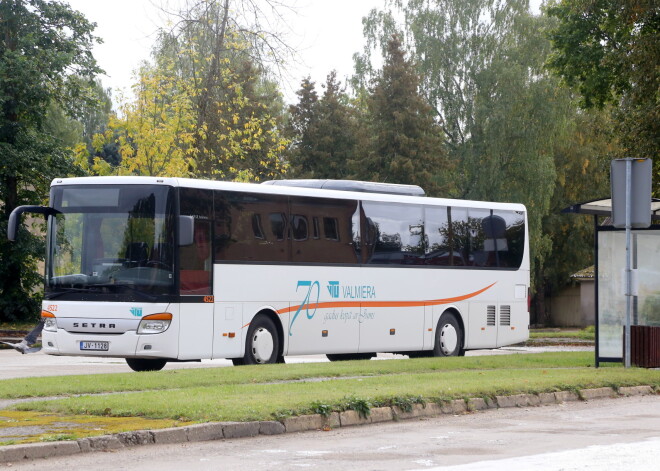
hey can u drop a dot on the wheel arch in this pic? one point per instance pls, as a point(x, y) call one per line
point(272, 315)
point(459, 318)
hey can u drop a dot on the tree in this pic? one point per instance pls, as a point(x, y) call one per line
point(301, 130)
point(609, 50)
point(223, 54)
point(45, 59)
point(451, 42)
point(323, 132)
point(404, 141)
point(94, 120)
point(155, 132)
point(582, 163)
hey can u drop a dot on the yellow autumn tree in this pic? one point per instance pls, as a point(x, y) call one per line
point(223, 58)
point(155, 130)
point(205, 108)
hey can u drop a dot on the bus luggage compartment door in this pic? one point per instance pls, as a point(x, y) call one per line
point(195, 330)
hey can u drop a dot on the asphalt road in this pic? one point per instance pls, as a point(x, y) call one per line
point(598, 435)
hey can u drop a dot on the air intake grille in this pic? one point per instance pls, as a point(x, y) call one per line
point(490, 315)
point(505, 315)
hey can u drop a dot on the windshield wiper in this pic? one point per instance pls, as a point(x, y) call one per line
point(147, 296)
point(67, 291)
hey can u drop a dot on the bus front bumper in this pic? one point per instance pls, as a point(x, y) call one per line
point(126, 345)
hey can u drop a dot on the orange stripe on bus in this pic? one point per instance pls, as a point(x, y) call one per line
point(335, 304)
point(338, 304)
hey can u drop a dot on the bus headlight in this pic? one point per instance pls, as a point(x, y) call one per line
point(50, 321)
point(155, 323)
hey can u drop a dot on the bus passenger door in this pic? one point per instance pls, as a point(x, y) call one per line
point(197, 302)
point(195, 276)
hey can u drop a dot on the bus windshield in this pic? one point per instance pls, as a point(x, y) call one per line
point(111, 240)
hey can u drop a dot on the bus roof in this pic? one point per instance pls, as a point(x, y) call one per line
point(352, 185)
point(280, 189)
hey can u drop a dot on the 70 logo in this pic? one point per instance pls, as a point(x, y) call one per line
point(313, 290)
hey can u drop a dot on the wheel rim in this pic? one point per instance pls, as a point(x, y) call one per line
point(448, 339)
point(262, 345)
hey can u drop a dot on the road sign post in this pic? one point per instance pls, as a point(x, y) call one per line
point(631, 207)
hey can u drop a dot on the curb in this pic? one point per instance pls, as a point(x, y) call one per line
point(303, 423)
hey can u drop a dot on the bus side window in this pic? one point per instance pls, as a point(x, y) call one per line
point(195, 260)
point(395, 233)
point(511, 254)
point(322, 230)
point(299, 227)
point(278, 225)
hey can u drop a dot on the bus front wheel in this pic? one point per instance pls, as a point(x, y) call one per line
point(146, 364)
point(448, 337)
point(262, 344)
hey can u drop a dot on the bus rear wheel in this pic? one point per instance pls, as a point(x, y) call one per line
point(146, 364)
point(263, 343)
point(448, 337)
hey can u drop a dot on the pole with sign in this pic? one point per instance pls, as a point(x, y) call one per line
point(631, 208)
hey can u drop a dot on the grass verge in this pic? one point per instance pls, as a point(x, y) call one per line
point(275, 391)
point(587, 333)
point(242, 402)
point(215, 377)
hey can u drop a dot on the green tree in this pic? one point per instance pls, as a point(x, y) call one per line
point(452, 42)
point(94, 120)
point(45, 59)
point(582, 163)
point(301, 130)
point(609, 50)
point(404, 143)
point(521, 112)
point(323, 132)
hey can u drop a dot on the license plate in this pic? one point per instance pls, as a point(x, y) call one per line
point(98, 346)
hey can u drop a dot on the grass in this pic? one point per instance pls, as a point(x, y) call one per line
point(587, 333)
point(268, 392)
point(54, 427)
point(241, 402)
point(191, 378)
point(17, 327)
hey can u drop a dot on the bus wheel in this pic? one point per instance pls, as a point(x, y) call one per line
point(146, 364)
point(263, 343)
point(448, 337)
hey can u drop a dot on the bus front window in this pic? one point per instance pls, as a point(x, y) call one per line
point(111, 240)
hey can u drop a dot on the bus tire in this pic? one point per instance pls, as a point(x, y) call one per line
point(448, 337)
point(146, 364)
point(262, 343)
point(349, 356)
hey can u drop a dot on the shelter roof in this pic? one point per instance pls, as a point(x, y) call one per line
point(603, 207)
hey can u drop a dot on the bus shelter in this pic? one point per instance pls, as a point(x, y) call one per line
point(610, 267)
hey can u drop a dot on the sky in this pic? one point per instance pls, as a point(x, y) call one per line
point(326, 34)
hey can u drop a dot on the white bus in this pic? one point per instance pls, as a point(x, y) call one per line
point(156, 270)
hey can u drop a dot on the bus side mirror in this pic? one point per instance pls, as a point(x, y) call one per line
point(186, 230)
point(15, 217)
